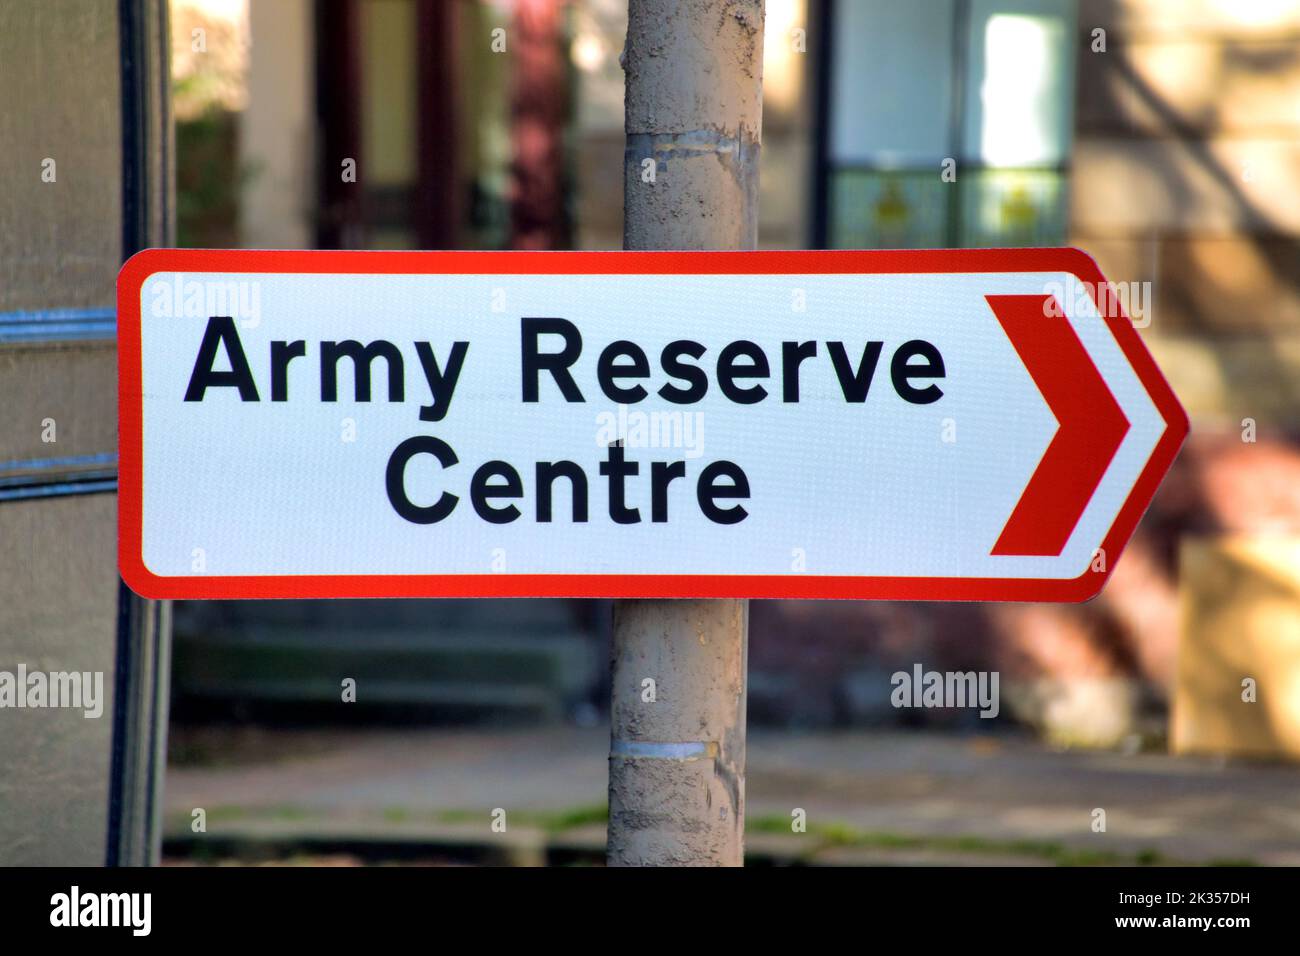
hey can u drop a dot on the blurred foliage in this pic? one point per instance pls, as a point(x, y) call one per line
point(209, 180)
point(209, 65)
point(209, 55)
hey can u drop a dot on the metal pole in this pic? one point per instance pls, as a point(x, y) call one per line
point(143, 669)
point(693, 106)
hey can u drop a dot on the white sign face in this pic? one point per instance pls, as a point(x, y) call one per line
point(938, 425)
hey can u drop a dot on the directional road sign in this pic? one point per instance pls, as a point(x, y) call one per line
point(942, 425)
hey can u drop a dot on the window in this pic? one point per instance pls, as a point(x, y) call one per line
point(989, 85)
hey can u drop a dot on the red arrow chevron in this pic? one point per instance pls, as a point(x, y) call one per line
point(1091, 425)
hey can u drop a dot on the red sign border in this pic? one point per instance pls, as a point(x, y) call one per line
point(130, 426)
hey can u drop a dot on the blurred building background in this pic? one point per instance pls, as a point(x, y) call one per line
point(1161, 136)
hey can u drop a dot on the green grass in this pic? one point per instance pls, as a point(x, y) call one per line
point(823, 835)
point(552, 822)
point(841, 835)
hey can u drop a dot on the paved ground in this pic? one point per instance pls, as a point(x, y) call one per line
point(906, 797)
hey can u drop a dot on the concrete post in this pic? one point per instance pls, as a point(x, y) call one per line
point(693, 105)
